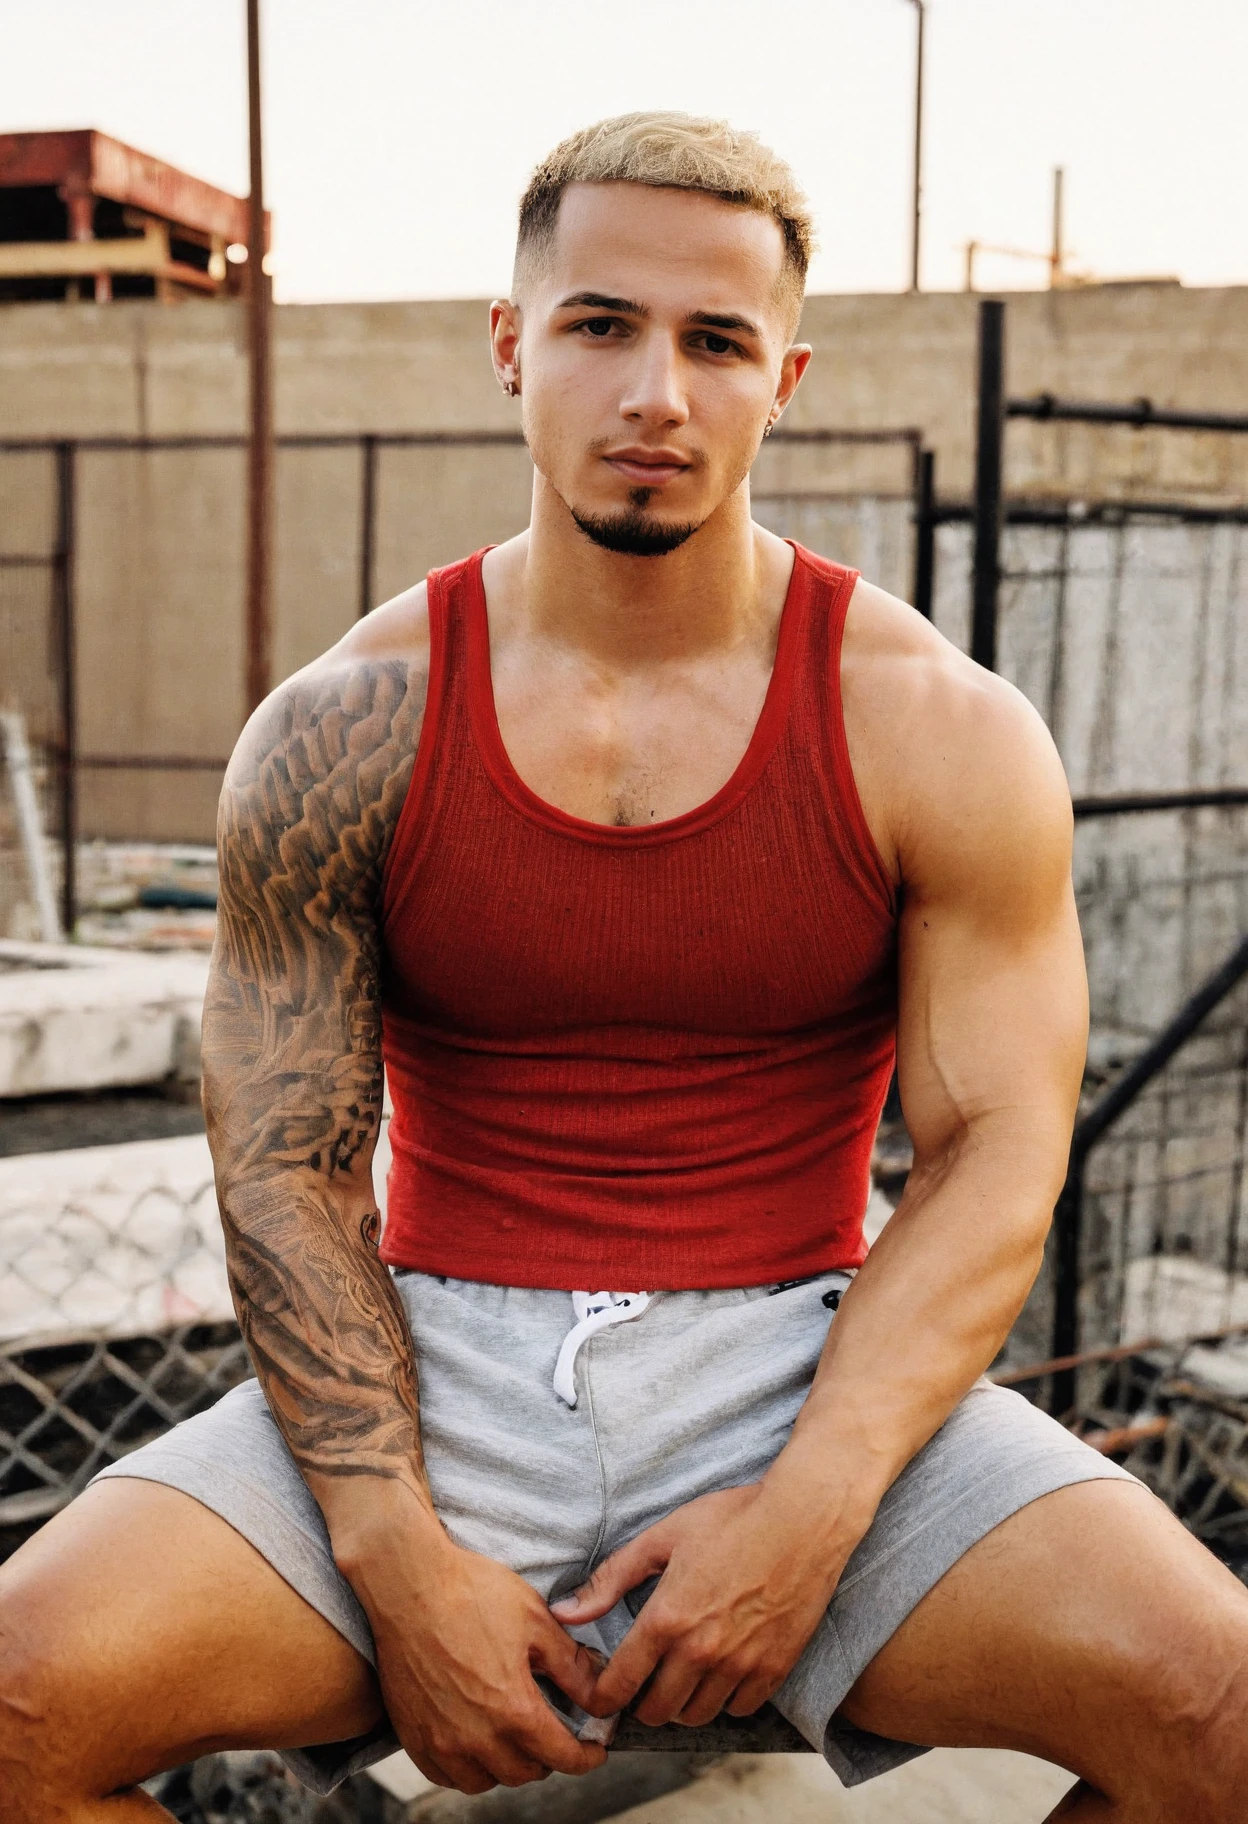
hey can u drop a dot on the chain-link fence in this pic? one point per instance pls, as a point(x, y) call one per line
point(115, 1314)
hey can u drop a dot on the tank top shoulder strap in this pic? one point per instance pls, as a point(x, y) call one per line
point(449, 591)
point(819, 710)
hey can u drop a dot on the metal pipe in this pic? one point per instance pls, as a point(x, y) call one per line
point(924, 530)
point(368, 524)
point(988, 463)
point(1127, 803)
point(1057, 256)
point(916, 219)
point(1139, 412)
point(260, 445)
point(1114, 1102)
point(151, 763)
point(29, 822)
point(67, 654)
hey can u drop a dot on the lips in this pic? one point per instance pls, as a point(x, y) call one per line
point(647, 468)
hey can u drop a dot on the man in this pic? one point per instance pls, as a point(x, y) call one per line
point(631, 845)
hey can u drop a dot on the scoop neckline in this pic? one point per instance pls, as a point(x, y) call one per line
point(763, 738)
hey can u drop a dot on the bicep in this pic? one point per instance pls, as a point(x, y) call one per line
point(292, 1023)
point(292, 1031)
point(993, 996)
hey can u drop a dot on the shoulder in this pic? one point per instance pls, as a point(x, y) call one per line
point(325, 760)
point(957, 770)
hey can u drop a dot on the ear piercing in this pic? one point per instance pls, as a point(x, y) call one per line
point(511, 389)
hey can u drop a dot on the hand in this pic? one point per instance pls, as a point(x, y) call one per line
point(744, 1581)
point(459, 1639)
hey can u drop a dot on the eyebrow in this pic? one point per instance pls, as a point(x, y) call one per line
point(707, 319)
point(597, 300)
point(629, 307)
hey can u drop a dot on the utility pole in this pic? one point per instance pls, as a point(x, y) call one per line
point(917, 209)
point(260, 364)
point(1057, 256)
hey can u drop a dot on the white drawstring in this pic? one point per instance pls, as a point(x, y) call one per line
point(595, 1311)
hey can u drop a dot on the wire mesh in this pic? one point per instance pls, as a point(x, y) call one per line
point(115, 1314)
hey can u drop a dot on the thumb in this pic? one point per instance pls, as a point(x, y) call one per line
point(573, 1667)
point(645, 1556)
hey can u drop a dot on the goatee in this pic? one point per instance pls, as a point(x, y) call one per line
point(633, 532)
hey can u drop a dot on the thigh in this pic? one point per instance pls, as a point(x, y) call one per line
point(1089, 1629)
point(140, 1630)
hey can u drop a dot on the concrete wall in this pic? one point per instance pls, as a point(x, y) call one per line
point(160, 534)
point(889, 360)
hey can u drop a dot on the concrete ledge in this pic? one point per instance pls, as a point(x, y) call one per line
point(74, 1018)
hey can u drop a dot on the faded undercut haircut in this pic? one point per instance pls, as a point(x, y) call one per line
point(671, 151)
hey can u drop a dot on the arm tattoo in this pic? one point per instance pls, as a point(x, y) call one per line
point(292, 1061)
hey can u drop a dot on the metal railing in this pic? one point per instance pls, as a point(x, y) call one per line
point(64, 561)
point(1093, 1127)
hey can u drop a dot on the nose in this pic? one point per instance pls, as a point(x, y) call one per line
point(654, 396)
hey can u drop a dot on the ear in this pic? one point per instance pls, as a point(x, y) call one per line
point(796, 361)
point(505, 342)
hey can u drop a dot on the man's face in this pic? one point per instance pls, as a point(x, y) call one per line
point(654, 345)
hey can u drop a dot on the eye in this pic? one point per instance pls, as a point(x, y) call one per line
point(599, 326)
point(718, 345)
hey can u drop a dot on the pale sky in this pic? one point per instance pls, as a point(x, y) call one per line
point(400, 133)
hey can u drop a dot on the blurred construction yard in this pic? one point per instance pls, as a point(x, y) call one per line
point(1121, 611)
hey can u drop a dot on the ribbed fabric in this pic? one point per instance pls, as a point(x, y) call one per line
point(642, 1057)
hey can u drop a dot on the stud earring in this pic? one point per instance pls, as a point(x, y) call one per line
point(511, 389)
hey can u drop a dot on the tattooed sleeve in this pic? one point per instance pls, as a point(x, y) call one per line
point(292, 1061)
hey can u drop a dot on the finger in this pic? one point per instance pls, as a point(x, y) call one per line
point(645, 1556)
point(573, 1667)
point(629, 1666)
point(467, 1775)
point(547, 1739)
point(432, 1770)
point(669, 1690)
point(753, 1693)
point(708, 1700)
point(511, 1766)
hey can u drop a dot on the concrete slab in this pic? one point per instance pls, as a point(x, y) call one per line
point(75, 1018)
point(948, 1786)
point(120, 1239)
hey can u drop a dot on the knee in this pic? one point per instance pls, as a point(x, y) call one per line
point(1199, 1725)
point(36, 1770)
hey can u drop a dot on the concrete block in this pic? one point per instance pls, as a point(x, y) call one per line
point(75, 1018)
point(119, 1239)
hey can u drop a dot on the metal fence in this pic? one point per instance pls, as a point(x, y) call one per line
point(122, 588)
point(115, 1313)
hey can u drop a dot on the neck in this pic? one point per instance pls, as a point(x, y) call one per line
point(708, 595)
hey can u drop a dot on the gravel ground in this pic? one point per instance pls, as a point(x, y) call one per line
point(56, 1124)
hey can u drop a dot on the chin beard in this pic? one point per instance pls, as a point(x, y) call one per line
point(633, 532)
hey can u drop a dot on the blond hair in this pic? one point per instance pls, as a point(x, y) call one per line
point(671, 151)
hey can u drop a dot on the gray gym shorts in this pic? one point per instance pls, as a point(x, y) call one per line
point(697, 1393)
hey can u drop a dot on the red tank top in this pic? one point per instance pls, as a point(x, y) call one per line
point(643, 1057)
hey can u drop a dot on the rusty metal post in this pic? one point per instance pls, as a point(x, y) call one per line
point(259, 348)
point(989, 453)
point(924, 530)
point(65, 623)
point(368, 524)
point(1057, 254)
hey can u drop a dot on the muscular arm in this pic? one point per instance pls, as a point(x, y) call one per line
point(292, 1065)
point(293, 1093)
point(992, 1030)
point(991, 1040)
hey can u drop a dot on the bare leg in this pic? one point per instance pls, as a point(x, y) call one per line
point(1089, 1629)
point(137, 1631)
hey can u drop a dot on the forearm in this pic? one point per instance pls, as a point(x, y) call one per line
point(330, 1344)
point(927, 1313)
